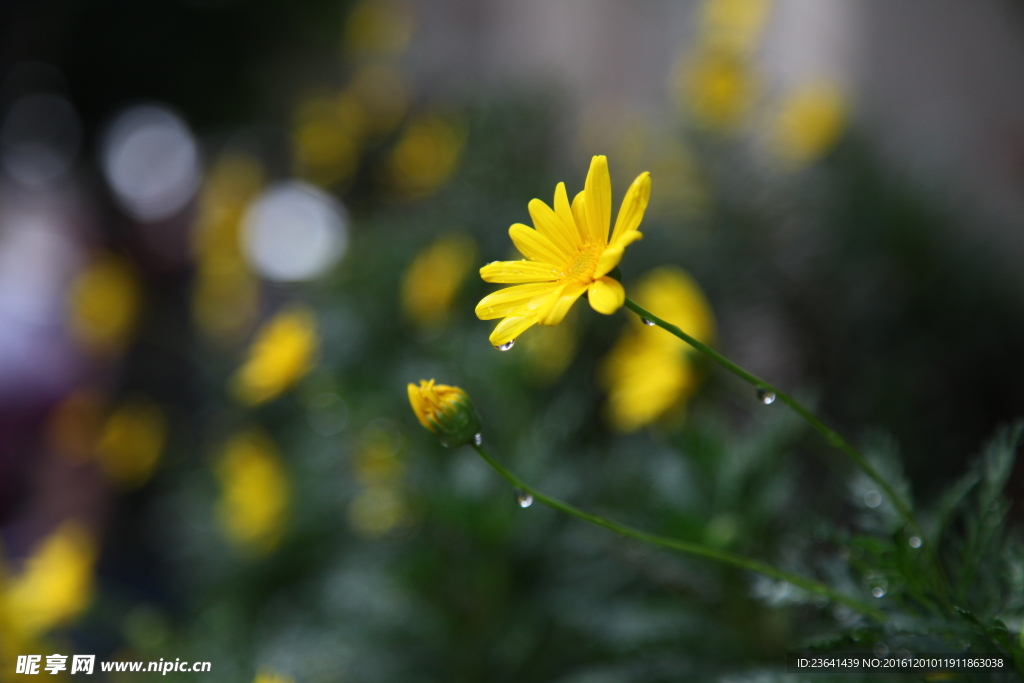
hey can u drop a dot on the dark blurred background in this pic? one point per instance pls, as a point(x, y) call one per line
point(231, 231)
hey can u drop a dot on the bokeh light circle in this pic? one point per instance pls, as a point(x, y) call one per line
point(294, 232)
point(151, 160)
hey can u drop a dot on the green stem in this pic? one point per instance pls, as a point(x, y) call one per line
point(833, 437)
point(830, 434)
point(687, 547)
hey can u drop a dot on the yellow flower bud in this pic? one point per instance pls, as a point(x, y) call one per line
point(446, 411)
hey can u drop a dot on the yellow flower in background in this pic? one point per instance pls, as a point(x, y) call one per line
point(226, 292)
point(810, 123)
point(433, 279)
point(378, 28)
point(131, 441)
point(716, 82)
point(255, 492)
point(381, 506)
point(426, 156)
point(55, 584)
point(649, 373)
point(377, 463)
point(734, 24)
point(104, 303)
point(382, 92)
point(281, 354)
point(265, 675)
point(328, 137)
point(717, 86)
point(377, 510)
point(671, 293)
point(446, 411)
point(548, 351)
point(568, 253)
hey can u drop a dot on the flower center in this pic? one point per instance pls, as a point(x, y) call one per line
point(584, 264)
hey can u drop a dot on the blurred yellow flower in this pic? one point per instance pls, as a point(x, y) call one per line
point(433, 279)
point(255, 492)
point(104, 303)
point(378, 28)
point(328, 138)
point(446, 411)
point(377, 510)
point(377, 463)
point(734, 24)
point(382, 92)
point(55, 584)
point(426, 156)
point(131, 442)
point(716, 82)
point(281, 354)
point(265, 675)
point(649, 373)
point(381, 506)
point(226, 292)
point(547, 351)
point(568, 253)
point(810, 123)
point(717, 86)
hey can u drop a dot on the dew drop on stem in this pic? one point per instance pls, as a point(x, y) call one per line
point(645, 321)
point(765, 396)
point(523, 498)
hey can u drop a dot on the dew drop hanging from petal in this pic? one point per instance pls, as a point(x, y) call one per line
point(506, 346)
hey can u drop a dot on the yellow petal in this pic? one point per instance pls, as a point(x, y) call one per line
point(514, 272)
point(535, 246)
point(579, 213)
point(566, 298)
point(548, 224)
point(507, 301)
point(417, 403)
point(633, 206)
point(606, 295)
point(611, 256)
point(598, 195)
point(510, 328)
point(564, 211)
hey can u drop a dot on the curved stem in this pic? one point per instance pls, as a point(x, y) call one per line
point(832, 436)
point(696, 549)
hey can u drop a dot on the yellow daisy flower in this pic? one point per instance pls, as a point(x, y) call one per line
point(569, 253)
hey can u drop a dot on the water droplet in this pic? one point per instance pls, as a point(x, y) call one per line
point(523, 498)
point(765, 396)
point(880, 649)
point(878, 592)
point(872, 499)
point(915, 542)
point(506, 346)
point(478, 439)
point(841, 612)
point(645, 321)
